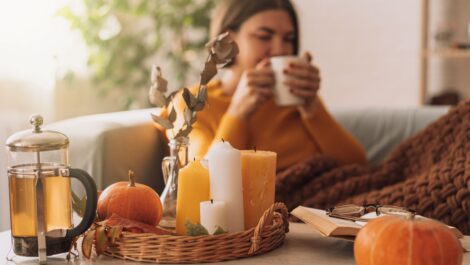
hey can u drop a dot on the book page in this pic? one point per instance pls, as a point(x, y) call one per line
point(340, 228)
point(338, 221)
point(327, 226)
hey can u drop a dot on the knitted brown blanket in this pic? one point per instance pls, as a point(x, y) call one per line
point(429, 173)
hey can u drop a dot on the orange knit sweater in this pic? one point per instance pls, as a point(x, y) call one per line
point(272, 128)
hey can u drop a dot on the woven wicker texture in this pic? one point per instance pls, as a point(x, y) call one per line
point(267, 235)
point(429, 173)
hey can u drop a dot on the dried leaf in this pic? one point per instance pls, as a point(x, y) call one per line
point(195, 229)
point(87, 243)
point(134, 226)
point(161, 82)
point(189, 98)
point(188, 115)
point(219, 231)
point(163, 122)
point(199, 106)
point(220, 37)
point(201, 100)
point(223, 48)
point(100, 223)
point(73, 247)
point(223, 51)
point(101, 240)
point(210, 70)
point(157, 98)
point(172, 115)
point(114, 233)
point(172, 94)
point(184, 132)
point(234, 51)
point(158, 88)
point(136, 230)
point(78, 204)
point(202, 94)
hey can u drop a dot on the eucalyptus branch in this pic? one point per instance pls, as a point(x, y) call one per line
point(221, 52)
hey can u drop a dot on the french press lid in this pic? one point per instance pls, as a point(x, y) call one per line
point(37, 140)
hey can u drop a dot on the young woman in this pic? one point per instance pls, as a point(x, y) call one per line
point(426, 173)
point(240, 105)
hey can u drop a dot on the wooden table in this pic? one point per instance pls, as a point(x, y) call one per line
point(302, 246)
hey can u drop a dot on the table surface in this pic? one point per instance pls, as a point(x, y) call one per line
point(302, 245)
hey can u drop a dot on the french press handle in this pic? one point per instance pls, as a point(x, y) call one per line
point(91, 201)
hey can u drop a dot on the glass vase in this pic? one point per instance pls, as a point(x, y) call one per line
point(170, 166)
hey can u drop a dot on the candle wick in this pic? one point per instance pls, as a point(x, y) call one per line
point(255, 149)
point(212, 201)
point(223, 141)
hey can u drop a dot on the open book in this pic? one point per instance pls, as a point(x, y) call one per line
point(336, 227)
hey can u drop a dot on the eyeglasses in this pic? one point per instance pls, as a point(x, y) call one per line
point(355, 212)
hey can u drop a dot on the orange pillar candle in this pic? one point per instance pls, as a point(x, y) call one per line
point(259, 177)
point(193, 188)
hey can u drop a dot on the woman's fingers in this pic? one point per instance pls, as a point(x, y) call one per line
point(262, 77)
point(264, 91)
point(308, 56)
point(302, 84)
point(305, 71)
point(305, 79)
point(299, 83)
point(303, 93)
point(303, 88)
point(260, 72)
point(265, 63)
point(259, 95)
point(302, 73)
point(259, 90)
point(266, 81)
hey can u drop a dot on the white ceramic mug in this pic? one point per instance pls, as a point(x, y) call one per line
point(282, 94)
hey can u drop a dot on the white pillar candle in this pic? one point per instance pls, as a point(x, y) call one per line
point(213, 215)
point(226, 182)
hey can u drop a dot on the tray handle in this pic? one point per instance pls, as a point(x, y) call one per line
point(277, 208)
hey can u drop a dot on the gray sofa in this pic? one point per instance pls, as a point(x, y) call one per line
point(108, 145)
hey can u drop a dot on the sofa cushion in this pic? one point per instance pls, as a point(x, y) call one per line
point(379, 130)
point(108, 145)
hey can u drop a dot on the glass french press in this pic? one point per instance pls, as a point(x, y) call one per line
point(40, 193)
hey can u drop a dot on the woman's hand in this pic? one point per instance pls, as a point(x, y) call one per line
point(305, 83)
point(255, 88)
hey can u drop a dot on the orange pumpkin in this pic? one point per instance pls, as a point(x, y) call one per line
point(392, 240)
point(130, 200)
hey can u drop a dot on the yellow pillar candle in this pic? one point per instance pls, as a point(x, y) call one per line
point(193, 188)
point(259, 177)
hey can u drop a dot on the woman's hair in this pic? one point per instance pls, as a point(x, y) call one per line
point(230, 15)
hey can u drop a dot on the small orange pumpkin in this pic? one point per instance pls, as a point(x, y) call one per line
point(392, 240)
point(133, 201)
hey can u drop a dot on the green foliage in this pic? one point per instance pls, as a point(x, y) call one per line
point(219, 231)
point(125, 37)
point(195, 229)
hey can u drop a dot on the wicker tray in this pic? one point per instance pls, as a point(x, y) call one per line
point(267, 235)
